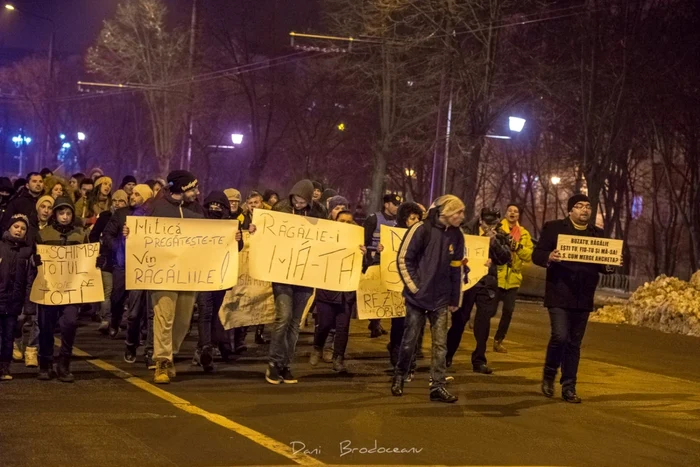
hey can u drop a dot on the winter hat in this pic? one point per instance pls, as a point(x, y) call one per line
point(577, 198)
point(6, 185)
point(317, 185)
point(180, 181)
point(490, 215)
point(232, 194)
point(218, 197)
point(395, 199)
point(337, 201)
point(128, 179)
point(267, 195)
point(63, 202)
point(103, 180)
point(448, 205)
point(20, 218)
point(144, 190)
point(45, 198)
point(120, 195)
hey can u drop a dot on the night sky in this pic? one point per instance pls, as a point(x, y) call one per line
point(78, 22)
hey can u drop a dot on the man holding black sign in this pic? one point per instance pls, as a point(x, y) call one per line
point(568, 296)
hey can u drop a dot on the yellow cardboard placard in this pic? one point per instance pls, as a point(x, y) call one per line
point(67, 275)
point(250, 301)
point(298, 250)
point(181, 254)
point(374, 301)
point(476, 249)
point(593, 250)
point(390, 238)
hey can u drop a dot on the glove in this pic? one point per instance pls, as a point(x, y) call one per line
point(101, 262)
point(515, 246)
point(36, 259)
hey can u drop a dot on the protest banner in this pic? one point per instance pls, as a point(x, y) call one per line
point(590, 250)
point(181, 254)
point(250, 301)
point(390, 238)
point(476, 250)
point(298, 250)
point(374, 301)
point(67, 275)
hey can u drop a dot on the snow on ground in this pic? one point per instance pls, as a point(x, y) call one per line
point(667, 304)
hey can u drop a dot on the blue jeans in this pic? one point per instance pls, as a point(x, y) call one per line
point(290, 302)
point(413, 325)
point(564, 349)
point(67, 318)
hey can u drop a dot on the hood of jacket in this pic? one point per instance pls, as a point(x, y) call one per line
point(303, 189)
point(220, 198)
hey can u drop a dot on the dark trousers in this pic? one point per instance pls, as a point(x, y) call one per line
point(485, 301)
point(139, 308)
point(414, 324)
point(211, 331)
point(564, 349)
point(7, 334)
point(119, 296)
point(508, 298)
point(67, 318)
point(333, 316)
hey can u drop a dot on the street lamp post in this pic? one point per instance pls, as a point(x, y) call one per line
point(20, 142)
point(49, 114)
point(556, 181)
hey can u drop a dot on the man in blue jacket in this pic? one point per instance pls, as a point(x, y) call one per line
point(430, 261)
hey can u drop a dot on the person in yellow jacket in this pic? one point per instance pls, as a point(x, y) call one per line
point(510, 276)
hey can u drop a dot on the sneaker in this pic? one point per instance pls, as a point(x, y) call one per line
point(441, 394)
point(206, 359)
point(484, 369)
point(5, 372)
point(272, 375)
point(411, 375)
point(130, 354)
point(448, 379)
point(328, 354)
point(288, 377)
point(161, 373)
point(397, 386)
point(150, 363)
point(339, 365)
point(17, 353)
point(31, 357)
point(498, 347)
point(570, 396)
point(103, 328)
point(315, 357)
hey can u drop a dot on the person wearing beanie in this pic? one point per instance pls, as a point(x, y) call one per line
point(16, 276)
point(270, 198)
point(290, 300)
point(327, 194)
point(568, 296)
point(135, 300)
point(62, 230)
point(318, 191)
point(372, 226)
point(483, 293)
point(430, 261)
point(24, 202)
point(510, 275)
point(128, 184)
point(98, 200)
point(210, 330)
point(172, 308)
point(234, 200)
point(44, 206)
point(336, 204)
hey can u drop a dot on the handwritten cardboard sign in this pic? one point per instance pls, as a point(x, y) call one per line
point(67, 275)
point(390, 238)
point(590, 250)
point(250, 301)
point(476, 250)
point(375, 301)
point(298, 250)
point(181, 254)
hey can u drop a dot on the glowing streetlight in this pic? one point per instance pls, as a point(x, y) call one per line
point(9, 6)
point(237, 138)
point(556, 180)
point(410, 173)
point(66, 146)
point(81, 136)
point(516, 124)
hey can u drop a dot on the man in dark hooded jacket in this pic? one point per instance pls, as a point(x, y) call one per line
point(290, 300)
point(483, 294)
point(216, 206)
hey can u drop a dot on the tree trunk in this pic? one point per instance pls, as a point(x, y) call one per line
point(471, 179)
point(378, 176)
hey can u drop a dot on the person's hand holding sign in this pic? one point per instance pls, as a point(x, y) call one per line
point(555, 257)
point(252, 229)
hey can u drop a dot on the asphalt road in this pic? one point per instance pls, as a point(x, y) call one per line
point(641, 407)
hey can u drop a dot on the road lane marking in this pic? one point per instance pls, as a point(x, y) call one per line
point(182, 404)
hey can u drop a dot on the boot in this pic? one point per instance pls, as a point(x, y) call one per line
point(239, 335)
point(441, 394)
point(498, 346)
point(328, 354)
point(31, 357)
point(45, 370)
point(397, 385)
point(5, 371)
point(206, 359)
point(17, 352)
point(314, 357)
point(63, 370)
point(548, 387)
point(161, 373)
point(569, 395)
point(339, 364)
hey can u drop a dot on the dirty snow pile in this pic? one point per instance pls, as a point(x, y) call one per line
point(667, 304)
